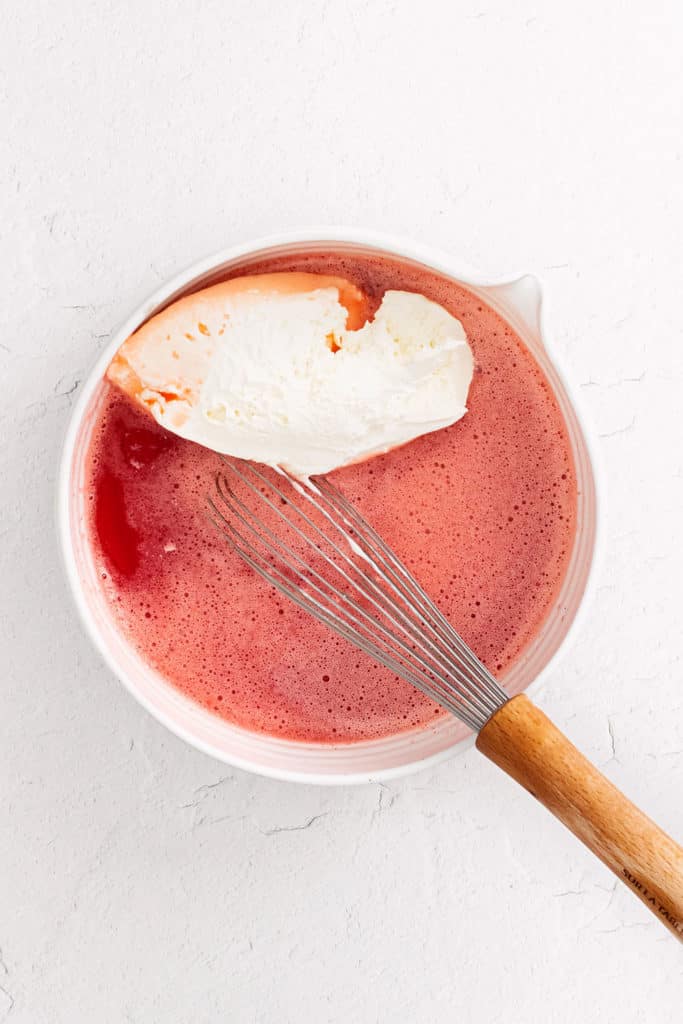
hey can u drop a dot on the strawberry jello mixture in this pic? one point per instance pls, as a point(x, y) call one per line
point(483, 513)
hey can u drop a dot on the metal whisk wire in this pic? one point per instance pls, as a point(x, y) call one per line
point(359, 588)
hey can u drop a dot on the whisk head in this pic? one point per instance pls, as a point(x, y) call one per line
point(312, 545)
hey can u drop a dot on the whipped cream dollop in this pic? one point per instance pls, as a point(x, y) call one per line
point(286, 369)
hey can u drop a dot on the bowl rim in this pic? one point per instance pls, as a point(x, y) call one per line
point(432, 257)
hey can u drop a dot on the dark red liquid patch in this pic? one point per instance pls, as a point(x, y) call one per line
point(484, 514)
point(116, 536)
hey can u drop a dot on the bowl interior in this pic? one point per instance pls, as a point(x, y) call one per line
point(269, 755)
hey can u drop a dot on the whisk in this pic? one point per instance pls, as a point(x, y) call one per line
point(311, 543)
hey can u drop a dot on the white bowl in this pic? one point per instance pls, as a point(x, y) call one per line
point(519, 301)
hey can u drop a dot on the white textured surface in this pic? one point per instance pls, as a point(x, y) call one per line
point(140, 881)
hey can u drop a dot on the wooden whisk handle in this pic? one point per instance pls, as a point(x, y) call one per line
point(522, 741)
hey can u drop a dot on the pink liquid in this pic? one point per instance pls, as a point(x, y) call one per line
point(484, 513)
